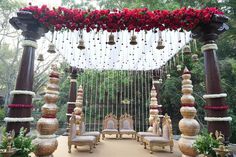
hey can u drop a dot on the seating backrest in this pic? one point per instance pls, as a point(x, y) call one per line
point(126, 122)
point(156, 126)
point(167, 127)
point(72, 127)
point(110, 122)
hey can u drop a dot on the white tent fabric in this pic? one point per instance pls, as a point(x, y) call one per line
point(121, 56)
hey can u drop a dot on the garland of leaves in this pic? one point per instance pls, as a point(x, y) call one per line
point(114, 20)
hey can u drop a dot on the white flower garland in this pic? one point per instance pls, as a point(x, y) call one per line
point(30, 43)
point(209, 47)
point(217, 119)
point(47, 136)
point(26, 92)
point(73, 80)
point(71, 103)
point(210, 96)
point(68, 114)
point(20, 119)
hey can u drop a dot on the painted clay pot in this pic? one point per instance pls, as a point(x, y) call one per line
point(185, 145)
point(51, 98)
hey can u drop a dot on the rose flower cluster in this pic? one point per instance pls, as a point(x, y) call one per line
point(114, 20)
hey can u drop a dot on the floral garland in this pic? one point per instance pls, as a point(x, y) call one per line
point(20, 106)
point(218, 108)
point(49, 116)
point(19, 119)
point(218, 119)
point(188, 105)
point(113, 20)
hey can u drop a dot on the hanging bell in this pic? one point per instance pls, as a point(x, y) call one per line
point(111, 40)
point(160, 44)
point(51, 48)
point(187, 50)
point(133, 40)
point(178, 67)
point(81, 44)
point(168, 76)
point(195, 57)
point(40, 58)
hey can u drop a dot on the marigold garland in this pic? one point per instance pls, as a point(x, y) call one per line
point(112, 21)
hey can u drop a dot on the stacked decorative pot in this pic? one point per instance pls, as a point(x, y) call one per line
point(188, 125)
point(79, 104)
point(47, 125)
point(153, 112)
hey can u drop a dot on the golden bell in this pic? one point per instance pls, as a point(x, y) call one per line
point(133, 40)
point(195, 57)
point(160, 44)
point(81, 44)
point(187, 50)
point(168, 76)
point(51, 48)
point(40, 57)
point(178, 67)
point(111, 40)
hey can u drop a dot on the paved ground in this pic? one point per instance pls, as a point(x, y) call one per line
point(113, 148)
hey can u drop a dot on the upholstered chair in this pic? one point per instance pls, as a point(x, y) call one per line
point(126, 126)
point(165, 140)
point(110, 126)
point(156, 131)
point(74, 139)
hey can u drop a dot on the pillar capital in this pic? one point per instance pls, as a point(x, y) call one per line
point(208, 33)
point(31, 28)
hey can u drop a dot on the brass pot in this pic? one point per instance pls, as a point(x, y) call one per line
point(47, 126)
point(51, 98)
point(189, 127)
point(54, 80)
point(49, 109)
point(45, 147)
point(185, 146)
point(187, 99)
point(188, 112)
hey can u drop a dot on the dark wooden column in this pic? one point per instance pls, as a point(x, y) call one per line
point(216, 108)
point(19, 111)
point(73, 89)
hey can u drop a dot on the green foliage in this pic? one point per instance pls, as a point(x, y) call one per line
point(22, 143)
point(205, 143)
point(2, 114)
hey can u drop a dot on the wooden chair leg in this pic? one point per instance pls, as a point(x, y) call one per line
point(116, 136)
point(69, 147)
point(145, 145)
point(171, 149)
point(151, 147)
point(103, 136)
point(137, 139)
point(91, 148)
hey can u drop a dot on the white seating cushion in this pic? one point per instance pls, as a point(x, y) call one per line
point(146, 134)
point(92, 133)
point(153, 139)
point(110, 130)
point(84, 139)
point(127, 130)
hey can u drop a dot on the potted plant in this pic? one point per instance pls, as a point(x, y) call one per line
point(21, 143)
point(205, 143)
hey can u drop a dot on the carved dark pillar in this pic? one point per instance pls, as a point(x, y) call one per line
point(216, 108)
point(73, 92)
point(19, 111)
